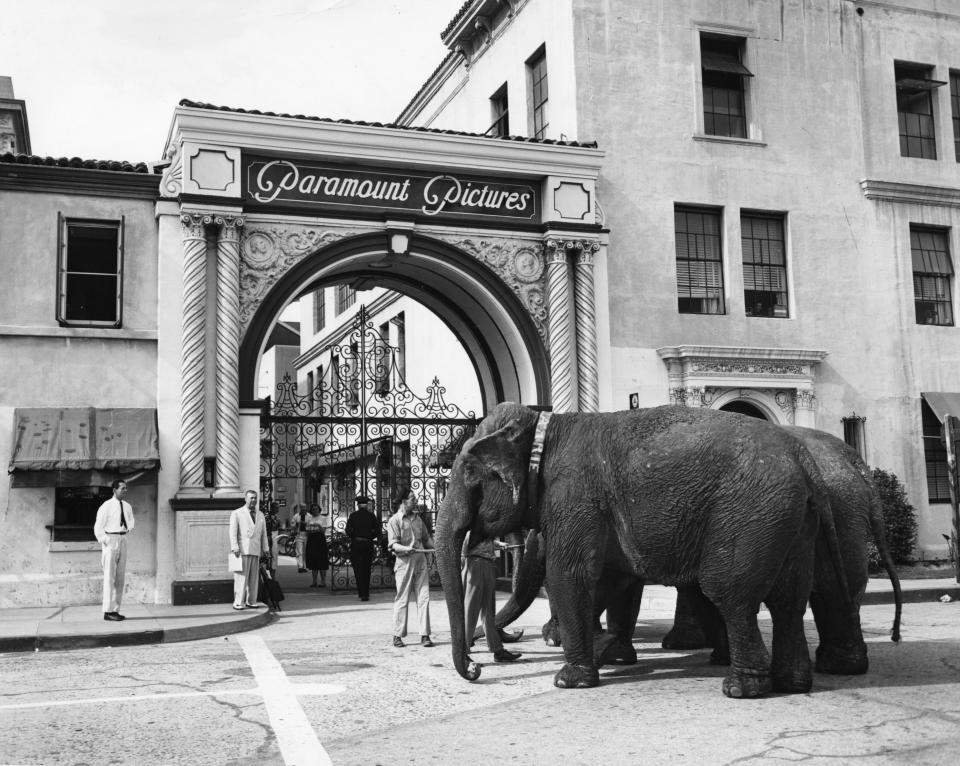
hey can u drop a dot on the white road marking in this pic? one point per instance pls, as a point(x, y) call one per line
point(297, 740)
point(133, 698)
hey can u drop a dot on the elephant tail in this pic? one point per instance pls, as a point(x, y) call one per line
point(886, 559)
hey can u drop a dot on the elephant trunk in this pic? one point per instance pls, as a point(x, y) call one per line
point(450, 533)
point(527, 580)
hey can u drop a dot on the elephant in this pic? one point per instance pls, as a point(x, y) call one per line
point(858, 518)
point(672, 494)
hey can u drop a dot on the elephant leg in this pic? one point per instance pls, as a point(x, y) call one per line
point(687, 631)
point(574, 605)
point(791, 670)
point(551, 631)
point(842, 650)
point(749, 674)
point(623, 594)
point(711, 623)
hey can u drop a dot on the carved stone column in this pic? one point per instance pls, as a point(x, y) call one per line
point(192, 349)
point(558, 306)
point(228, 354)
point(583, 291)
point(804, 403)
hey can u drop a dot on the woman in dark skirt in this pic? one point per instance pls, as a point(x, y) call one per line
point(316, 556)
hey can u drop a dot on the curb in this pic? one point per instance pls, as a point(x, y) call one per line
point(911, 596)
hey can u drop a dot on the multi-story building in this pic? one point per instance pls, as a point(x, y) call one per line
point(781, 187)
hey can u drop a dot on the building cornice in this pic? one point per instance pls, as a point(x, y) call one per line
point(95, 183)
point(799, 355)
point(911, 194)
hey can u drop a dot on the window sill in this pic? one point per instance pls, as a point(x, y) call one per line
point(73, 547)
point(78, 332)
point(728, 140)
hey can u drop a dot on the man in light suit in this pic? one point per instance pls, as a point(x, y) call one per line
point(248, 539)
point(114, 520)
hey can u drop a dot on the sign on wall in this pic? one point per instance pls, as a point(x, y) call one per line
point(270, 182)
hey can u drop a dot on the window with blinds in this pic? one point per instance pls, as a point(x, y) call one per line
point(935, 454)
point(932, 275)
point(764, 265)
point(699, 261)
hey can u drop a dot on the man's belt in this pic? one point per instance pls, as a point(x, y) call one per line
point(116, 533)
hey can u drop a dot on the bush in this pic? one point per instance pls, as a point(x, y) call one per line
point(899, 517)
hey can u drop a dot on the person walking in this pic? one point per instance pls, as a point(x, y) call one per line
point(407, 539)
point(248, 539)
point(479, 594)
point(315, 554)
point(363, 528)
point(114, 521)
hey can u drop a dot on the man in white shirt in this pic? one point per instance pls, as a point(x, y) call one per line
point(248, 539)
point(407, 538)
point(114, 521)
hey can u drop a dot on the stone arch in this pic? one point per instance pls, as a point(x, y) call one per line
point(763, 401)
point(490, 297)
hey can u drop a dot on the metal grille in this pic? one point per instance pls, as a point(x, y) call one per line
point(359, 431)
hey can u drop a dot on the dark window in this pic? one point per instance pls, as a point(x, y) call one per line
point(854, 433)
point(764, 265)
point(699, 261)
point(346, 297)
point(915, 111)
point(90, 271)
point(500, 113)
point(382, 360)
point(724, 86)
point(75, 512)
point(537, 66)
point(955, 111)
point(400, 322)
point(319, 309)
point(935, 453)
point(932, 273)
point(310, 389)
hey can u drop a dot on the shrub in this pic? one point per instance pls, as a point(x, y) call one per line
point(899, 517)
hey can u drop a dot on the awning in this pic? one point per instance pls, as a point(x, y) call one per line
point(943, 403)
point(121, 441)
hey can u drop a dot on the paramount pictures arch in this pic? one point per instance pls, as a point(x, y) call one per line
point(500, 239)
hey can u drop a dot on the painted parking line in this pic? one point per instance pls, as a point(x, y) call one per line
point(133, 698)
point(295, 735)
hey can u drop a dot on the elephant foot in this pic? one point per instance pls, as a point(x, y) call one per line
point(745, 685)
point(551, 633)
point(720, 656)
point(842, 661)
point(793, 679)
point(611, 650)
point(685, 638)
point(576, 677)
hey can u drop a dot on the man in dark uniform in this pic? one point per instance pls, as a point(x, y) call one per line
point(363, 527)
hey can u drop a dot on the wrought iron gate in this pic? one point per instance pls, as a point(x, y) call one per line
point(355, 428)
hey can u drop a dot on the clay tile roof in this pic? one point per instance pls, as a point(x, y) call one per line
point(456, 19)
point(213, 107)
point(75, 162)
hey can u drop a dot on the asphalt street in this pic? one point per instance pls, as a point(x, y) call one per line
point(322, 684)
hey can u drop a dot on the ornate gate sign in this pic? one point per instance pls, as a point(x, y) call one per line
point(359, 431)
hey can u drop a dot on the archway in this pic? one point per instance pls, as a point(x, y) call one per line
point(744, 408)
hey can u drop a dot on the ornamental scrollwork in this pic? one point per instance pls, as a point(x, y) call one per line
point(171, 182)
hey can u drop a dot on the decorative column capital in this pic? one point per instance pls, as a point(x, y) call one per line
point(195, 225)
point(230, 226)
point(584, 249)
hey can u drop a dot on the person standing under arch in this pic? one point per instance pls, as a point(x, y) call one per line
point(408, 538)
point(315, 554)
point(363, 528)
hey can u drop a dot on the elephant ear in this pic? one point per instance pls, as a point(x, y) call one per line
point(501, 453)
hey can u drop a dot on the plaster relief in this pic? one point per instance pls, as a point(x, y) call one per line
point(571, 200)
point(212, 170)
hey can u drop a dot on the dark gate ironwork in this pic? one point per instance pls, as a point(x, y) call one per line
point(359, 430)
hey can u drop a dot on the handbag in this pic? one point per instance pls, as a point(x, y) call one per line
point(234, 563)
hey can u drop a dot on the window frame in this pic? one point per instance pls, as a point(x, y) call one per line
point(947, 276)
point(76, 530)
point(319, 309)
point(955, 111)
point(934, 455)
point(346, 297)
point(705, 211)
point(913, 80)
point(500, 112)
point(719, 66)
point(64, 226)
point(855, 433)
point(538, 86)
point(781, 219)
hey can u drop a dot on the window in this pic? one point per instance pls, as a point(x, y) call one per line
point(932, 272)
point(724, 87)
point(854, 433)
point(955, 111)
point(699, 261)
point(383, 360)
point(935, 453)
point(346, 297)
point(915, 110)
point(400, 323)
point(310, 386)
point(500, 113)
point(75, 511)
point(764, 265)
point(537, 67)
point(319, 309)
point(90, 270)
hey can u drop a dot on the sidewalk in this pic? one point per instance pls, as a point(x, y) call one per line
point(80, 627)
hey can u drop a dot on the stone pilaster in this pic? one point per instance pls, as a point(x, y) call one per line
point(192, 344)
point(561, 346)
point(587, 371)
point(228, 354)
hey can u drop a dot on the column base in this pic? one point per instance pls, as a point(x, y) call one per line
point(202, 592)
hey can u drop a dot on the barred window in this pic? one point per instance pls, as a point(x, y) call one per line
point(915, 110)
point(764, 265)
point(90, 285)
point(699, 261)
point(346, 297)
point(537, 68)
point(724, 86)
point(932, 274)
point(935, 453)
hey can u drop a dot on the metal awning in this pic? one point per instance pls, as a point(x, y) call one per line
point(58, 439)
point(943, 403)
point(716, 61)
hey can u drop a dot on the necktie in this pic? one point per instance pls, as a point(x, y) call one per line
point(123, 521)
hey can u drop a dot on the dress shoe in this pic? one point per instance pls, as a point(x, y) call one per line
point(398, 642)
point(425, 641)
point(505, 655)
point(113, 616)
point(239, 607)
point(301, 571)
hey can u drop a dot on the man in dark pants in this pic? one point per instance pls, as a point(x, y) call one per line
point(363, 527)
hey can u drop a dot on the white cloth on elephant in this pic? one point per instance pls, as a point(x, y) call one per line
point(413, 578)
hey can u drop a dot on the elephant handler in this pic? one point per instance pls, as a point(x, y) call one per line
point(479, 593)
point(407, 538)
